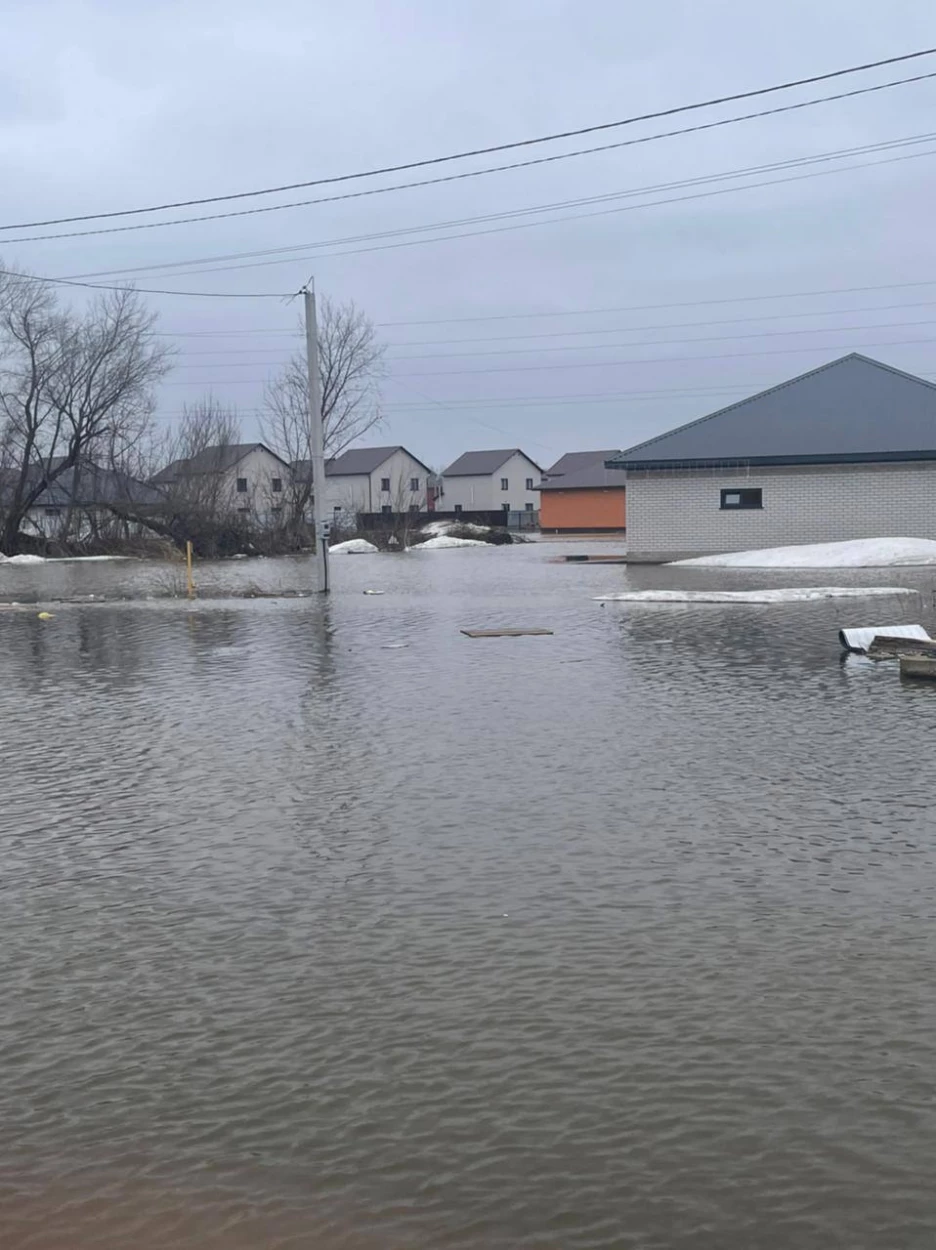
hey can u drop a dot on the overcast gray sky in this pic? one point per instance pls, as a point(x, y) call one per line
point(106, 105)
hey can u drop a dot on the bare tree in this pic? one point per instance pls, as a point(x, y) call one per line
point(351, 367)
point(72, 385)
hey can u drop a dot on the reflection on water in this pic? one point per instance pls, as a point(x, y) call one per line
point(622, 937)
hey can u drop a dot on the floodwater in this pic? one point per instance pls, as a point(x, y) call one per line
point(325, 926)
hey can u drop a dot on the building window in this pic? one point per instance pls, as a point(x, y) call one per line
point(529, 507)
point(386, 509)
point(243, 509)
point(414, 507)
point(457, 508)
point(505, 507)
point(337, 509)
point(529, 483)
point(276, 511)
point(414, 483)
point(242, 486)
point(385, 484)
point(733, 500)
point(51, 511)
point(277, 484)
point(505, 483)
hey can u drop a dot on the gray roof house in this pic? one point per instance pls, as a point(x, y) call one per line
point(579, 494)
point(500, 480)
point(844, 451)
point(373, 479)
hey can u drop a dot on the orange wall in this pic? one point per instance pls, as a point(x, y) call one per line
point(599, 509)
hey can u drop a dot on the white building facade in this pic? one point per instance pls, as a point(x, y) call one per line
point(505, 480)
point(376, 479)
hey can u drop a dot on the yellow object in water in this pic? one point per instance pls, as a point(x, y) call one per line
point(46, 616)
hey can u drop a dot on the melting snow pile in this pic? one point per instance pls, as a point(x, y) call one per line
point(436, 528)
point(353, 547)
point(21, 559)
point(859, 553)
point(793, 594)
point(446, 540)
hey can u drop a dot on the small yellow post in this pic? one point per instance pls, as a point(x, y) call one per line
point(189, 583)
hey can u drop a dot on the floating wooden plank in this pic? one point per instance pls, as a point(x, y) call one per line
point(505, 633)
point(891, 647)
point(590, 559)
point(918, 666)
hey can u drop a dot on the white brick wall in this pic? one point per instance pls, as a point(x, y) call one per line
point(678, 513)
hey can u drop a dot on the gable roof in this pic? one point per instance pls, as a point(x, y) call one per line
point(574, 461)
point(218, 459)
point(851, 410)
point(86, 486)
point(484, 463)
point(357, 461)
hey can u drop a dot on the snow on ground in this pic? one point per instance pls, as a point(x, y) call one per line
point(59, 559)
point(21, 560)
point(446, 540)
point(436, 528)
point(859, 553)
point(794, 594)
point(353, 547)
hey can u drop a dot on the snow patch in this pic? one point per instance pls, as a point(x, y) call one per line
point(792, 594)
point(442, 527)
point(353, 547)
point(446, 540)
point(22, 560)
point(859, 553)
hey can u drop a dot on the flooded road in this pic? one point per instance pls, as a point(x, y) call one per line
point(324, 926)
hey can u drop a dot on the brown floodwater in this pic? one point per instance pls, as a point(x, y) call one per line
point(325, 926)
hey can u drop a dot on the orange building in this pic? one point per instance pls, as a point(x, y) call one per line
point(579, 495)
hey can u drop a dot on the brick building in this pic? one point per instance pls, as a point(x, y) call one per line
point(847, 450)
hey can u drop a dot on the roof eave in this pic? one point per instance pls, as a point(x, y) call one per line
point(737, 462)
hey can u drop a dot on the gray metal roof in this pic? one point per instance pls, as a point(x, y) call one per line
point(218, 459)
point(593, 476)
point(852, 409)
point(356, 462)
point(573, 461)
point(484, 463)
point(85, 487)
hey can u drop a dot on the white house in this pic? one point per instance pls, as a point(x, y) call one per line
point(247, 478)
point(375, 479)
point(492, 481)
point(847, 450)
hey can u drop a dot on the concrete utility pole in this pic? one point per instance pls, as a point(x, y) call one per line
point(316, 444)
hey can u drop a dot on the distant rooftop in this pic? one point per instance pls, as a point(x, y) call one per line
point(484, 463)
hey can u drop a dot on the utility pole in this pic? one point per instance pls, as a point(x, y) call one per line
point(316, 444)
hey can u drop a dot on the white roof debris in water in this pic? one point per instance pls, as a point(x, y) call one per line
point(792, 594)
point(861, 639)
point(353, 547)
point(858, 553)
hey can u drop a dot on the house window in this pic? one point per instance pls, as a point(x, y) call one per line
point(242, 486)
point(529, 507)
point(457, 508)
point(529, 483)
point(505, 507)
point(414, 507)
point(505, 483)
point(277, 484)
point(243, 510)
point(385, 483)
point(733, 500)
point(414, 483)
point(51, 511)
point(386, 509)
point(276, 511)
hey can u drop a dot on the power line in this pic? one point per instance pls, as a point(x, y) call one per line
point(657, 360)
point(291, 251)
point(547, 221)
point(98, 286)
point(475, 173)
point(696, 303)
point(485, 151)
